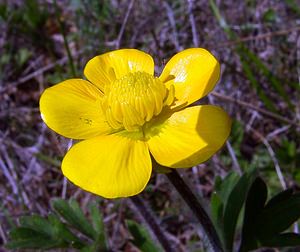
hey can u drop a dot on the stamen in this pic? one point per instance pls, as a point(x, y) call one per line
point(134, 99)
point(171, 95)
point(111, 120)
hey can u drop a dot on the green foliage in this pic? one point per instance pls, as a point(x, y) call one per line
point(68, 227)
point(100, 243)
point(72, 213)
point(141, 237)
point(44, 233)
point(255, 201)
point(76, 231)
point(28, 238)
point(265, 223)
point(270, 16)
point(227, 203)
point(233, 207)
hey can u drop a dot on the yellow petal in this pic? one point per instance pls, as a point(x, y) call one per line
point(104, 69)
point(188, 137)
point(110, 166)
point(72, 108)
point(194, 73)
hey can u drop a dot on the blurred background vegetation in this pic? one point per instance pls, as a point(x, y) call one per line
point(45, 42)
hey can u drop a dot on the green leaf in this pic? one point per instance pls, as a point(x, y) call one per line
point(283, 240)
point(225, 187)
point(234, 205)
point(38, 224)
point(96, 218)
point(278, 217)
point(22, 237)
point(141, 238)
point(280, 198)
point(255, 202)
point(97, 221)
point(72, 213)
point(62, 232)
point(38, 232)
point(217, 206)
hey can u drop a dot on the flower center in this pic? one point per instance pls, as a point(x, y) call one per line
point(134, 99)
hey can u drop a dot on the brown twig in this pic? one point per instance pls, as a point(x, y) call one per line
point(258, 37)
point(253, 107)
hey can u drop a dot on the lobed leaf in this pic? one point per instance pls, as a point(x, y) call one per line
point(141, 238)
point(38, 224)
point(22, 237)
point(100, 241)
point(72, 213)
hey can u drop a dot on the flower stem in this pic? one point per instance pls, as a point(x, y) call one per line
point(152, 222)
point(194, 204)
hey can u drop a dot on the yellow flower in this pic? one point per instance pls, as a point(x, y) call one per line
point(126, 115)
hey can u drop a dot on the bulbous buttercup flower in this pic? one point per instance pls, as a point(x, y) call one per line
point(125, 115)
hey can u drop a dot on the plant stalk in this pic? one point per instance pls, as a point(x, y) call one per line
point(152, 222)
point(199, 212)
